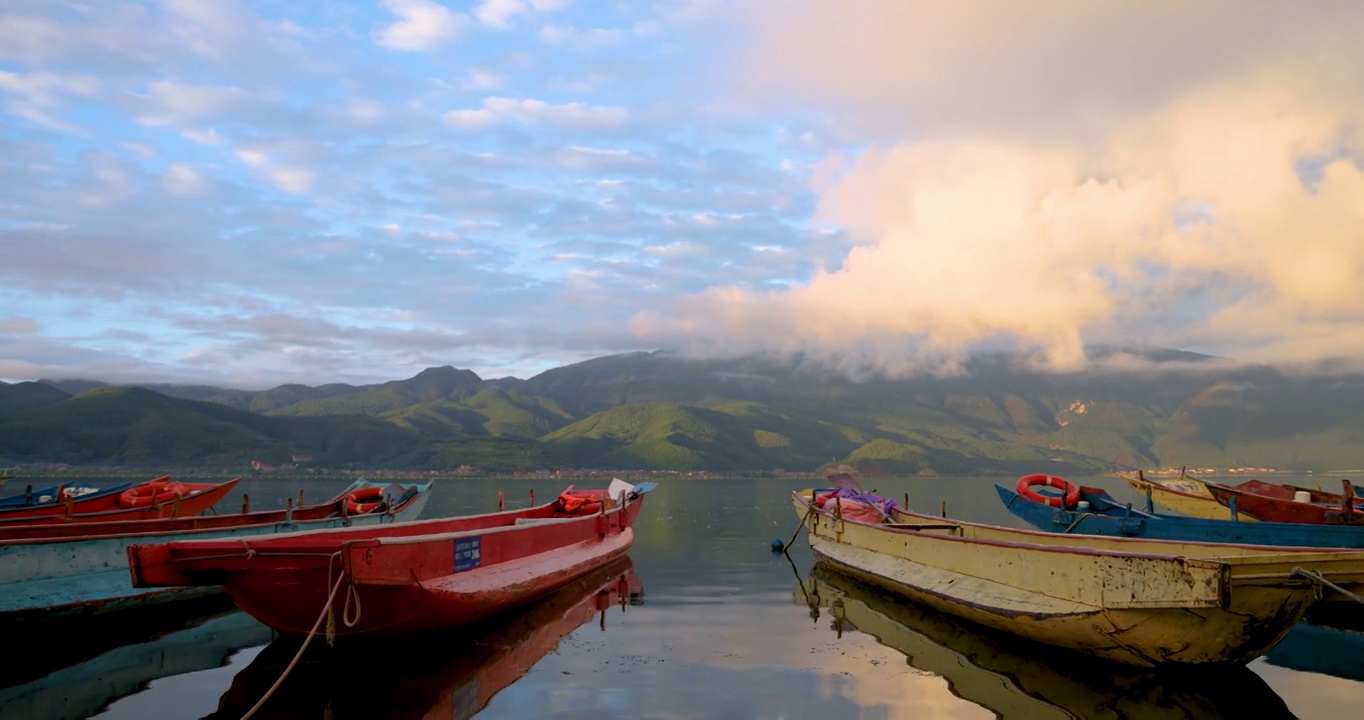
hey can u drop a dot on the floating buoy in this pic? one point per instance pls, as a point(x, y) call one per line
point(777, 544)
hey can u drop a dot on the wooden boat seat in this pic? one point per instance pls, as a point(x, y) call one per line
point(925, 526)
point(545, 520)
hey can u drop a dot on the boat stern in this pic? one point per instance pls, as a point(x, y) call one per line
point(154, 566)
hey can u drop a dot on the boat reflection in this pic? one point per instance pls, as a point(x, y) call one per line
point(440, 675)
point(1017, 678)
point(81, 690)
point(1320, 649)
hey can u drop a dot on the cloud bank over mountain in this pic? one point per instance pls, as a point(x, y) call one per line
point(1052, 174)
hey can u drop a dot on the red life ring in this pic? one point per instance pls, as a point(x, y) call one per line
point(1027, 482)
point(366, 499)
point(144, 494)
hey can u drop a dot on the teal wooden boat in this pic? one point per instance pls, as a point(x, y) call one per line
point(84, 689)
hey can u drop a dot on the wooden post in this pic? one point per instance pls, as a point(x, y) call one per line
point(942, 508)
point(289, 510)
point(175, 506)
point(300, 497)
point(246, 503)
point(501, 502)
point(532, 497)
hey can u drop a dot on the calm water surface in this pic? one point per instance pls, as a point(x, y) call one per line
point(704, 621)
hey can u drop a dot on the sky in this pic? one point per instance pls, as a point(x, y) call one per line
point(250, 193)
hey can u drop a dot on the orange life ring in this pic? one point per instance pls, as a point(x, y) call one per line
point(155, 491)
point(366, 499)
point(1069, 499)
point(571, 504)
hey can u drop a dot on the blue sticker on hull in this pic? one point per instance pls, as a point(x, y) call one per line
point(468, 553)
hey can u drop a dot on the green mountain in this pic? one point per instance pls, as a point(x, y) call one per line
point(135, 425)
point(658, 410)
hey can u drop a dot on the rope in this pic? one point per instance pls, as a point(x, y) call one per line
point(786, 549)
point(1317, 577)
point(326, 611)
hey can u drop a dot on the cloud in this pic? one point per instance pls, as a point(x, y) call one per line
point(592, 37)
point(497, 110)
point(1049, 178)
point(477, 79)
point(181, 179)
point(18, 325)
point(422, 25)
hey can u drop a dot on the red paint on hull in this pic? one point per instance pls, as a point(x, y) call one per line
point(444, 676)
point(1274, 503)
point(65, 530)
point(191, 504)
point(400, 579)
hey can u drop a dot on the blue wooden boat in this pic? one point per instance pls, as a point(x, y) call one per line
point(44, 579)
point(1104, 515)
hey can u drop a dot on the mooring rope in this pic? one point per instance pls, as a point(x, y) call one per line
point(326, 612)
point(1320, 580)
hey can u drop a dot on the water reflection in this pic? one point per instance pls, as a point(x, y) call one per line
point(1338, 652)
point(1016, 678)
point(81, 690)
point(449, 675)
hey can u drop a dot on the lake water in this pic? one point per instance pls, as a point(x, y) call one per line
point(706, 621)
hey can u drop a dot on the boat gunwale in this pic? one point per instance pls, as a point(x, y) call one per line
point(152, 536)
point(270, 540)
point(58, 518)
point(438, 537)
point(1070, 549)
point(1062, 549)
point(1270, 525)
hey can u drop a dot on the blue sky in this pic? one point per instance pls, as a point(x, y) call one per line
point(254, 192)
point(249, 192)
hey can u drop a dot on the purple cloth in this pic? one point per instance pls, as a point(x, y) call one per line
point(885, 504)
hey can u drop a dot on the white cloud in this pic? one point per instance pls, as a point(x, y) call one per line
point(571, 36)
point(1032, 176)
point(181, 179)
point(422, 25)
point(291, 180)
point(172, 103)
point(537, 112)
point(254, 158)
point(477, 79)
point(499, 13)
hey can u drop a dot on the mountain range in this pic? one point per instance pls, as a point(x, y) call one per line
point(661, 411)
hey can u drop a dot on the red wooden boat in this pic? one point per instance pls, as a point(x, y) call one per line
point(186, 500)
point(450, 676)
point(405, 578)
point(67, 528)
point(56, 499)
point(1278, 504)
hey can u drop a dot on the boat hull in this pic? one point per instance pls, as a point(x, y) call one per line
point(44, 580)
point(1172, 527)
point(1187, 498)
point(1280, 510)
point(1128, 605)
point(191, 504)
point(430, 575)
point(14, 506)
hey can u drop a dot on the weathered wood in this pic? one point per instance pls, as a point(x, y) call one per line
point(1135, 601)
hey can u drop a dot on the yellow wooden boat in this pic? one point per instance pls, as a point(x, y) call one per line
point(1142, 602)
point(1185, 495)
point(1015, 678)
